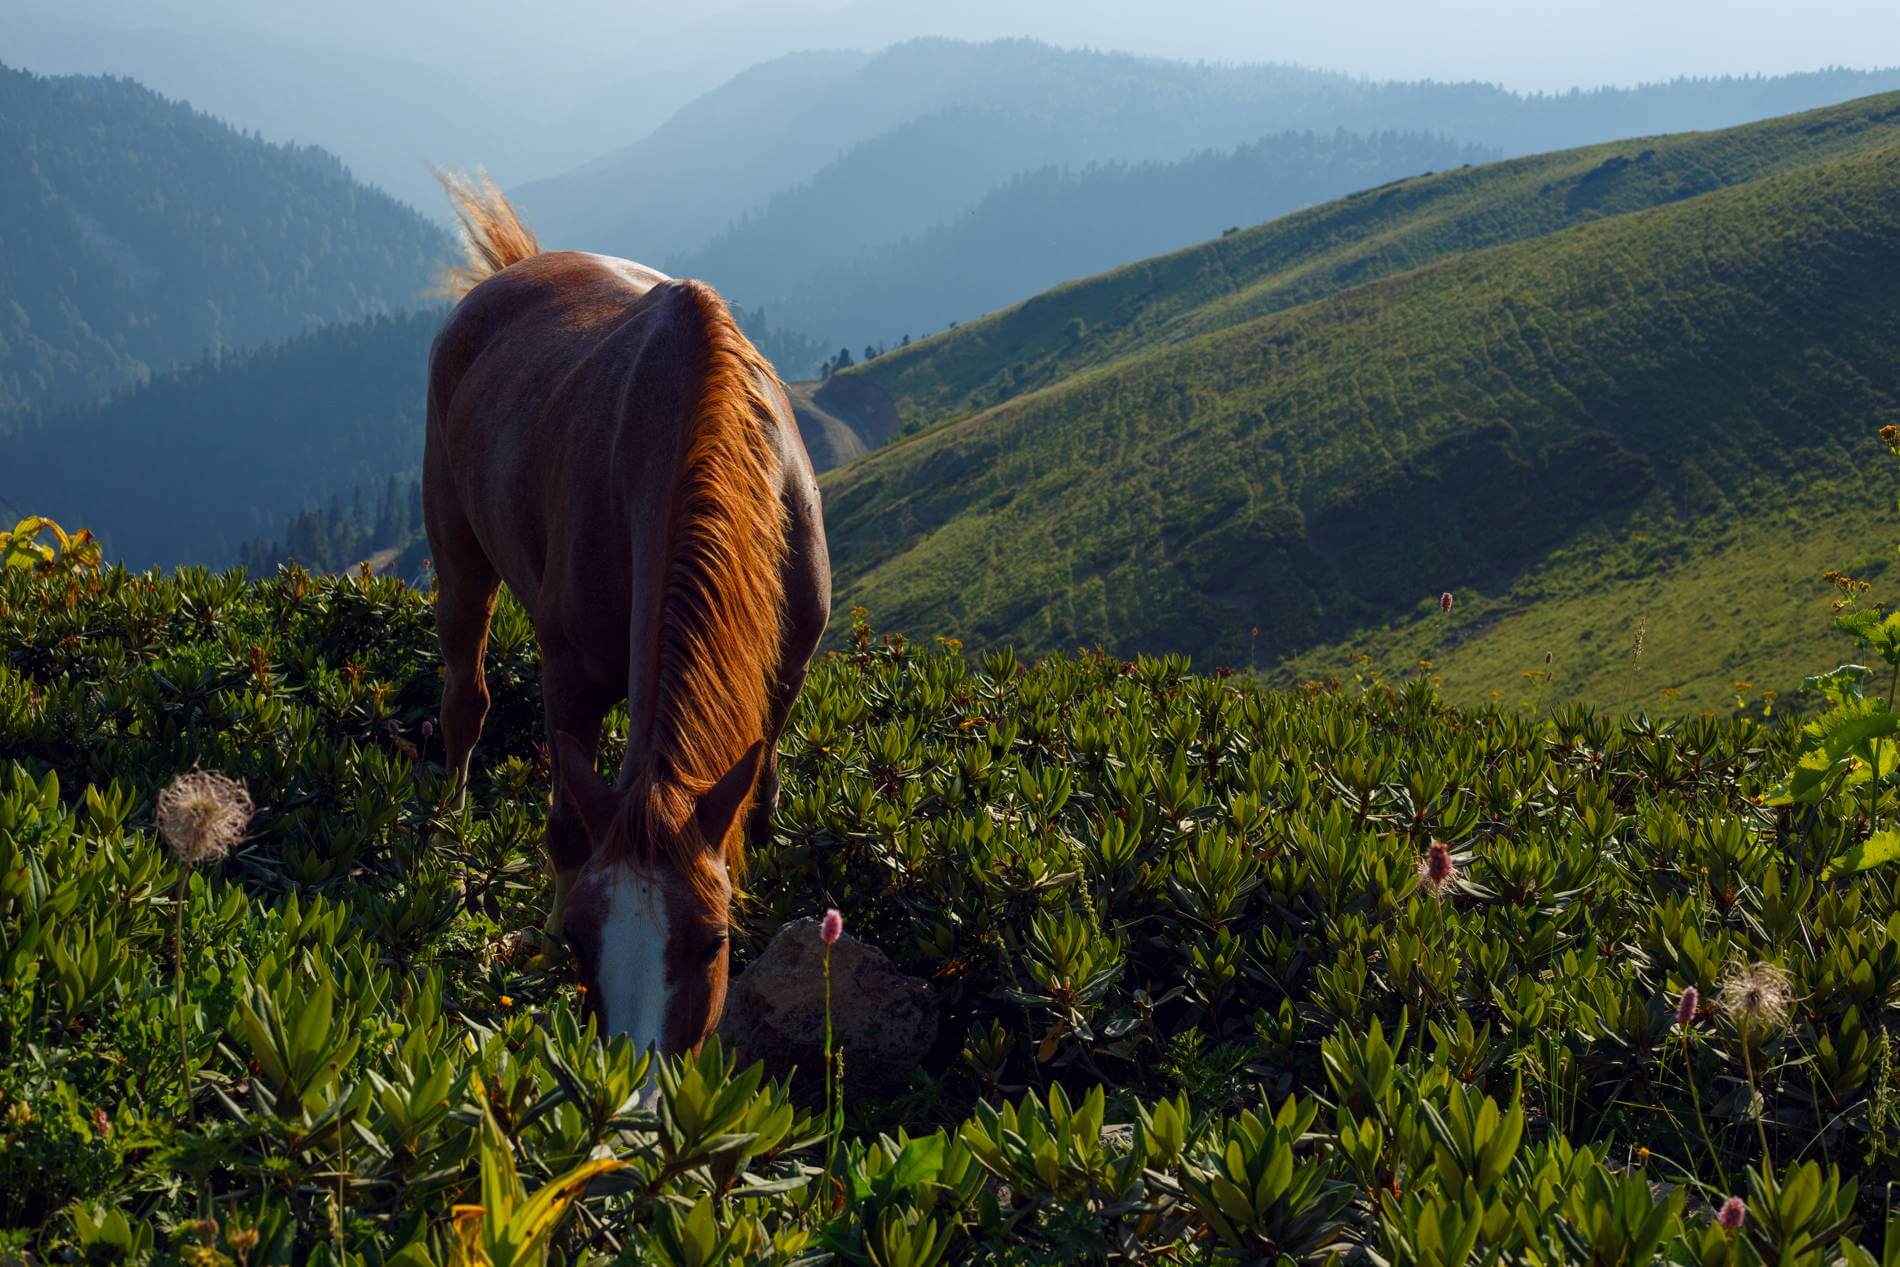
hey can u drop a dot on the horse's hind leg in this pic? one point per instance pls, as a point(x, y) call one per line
point(464, 605)
point(573, 705)
point(462, 613)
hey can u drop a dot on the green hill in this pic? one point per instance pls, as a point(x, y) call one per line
point(1244, 438)
point(1374, 233)
point(139, 233)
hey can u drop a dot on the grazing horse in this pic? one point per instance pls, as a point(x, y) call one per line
point(604, 439)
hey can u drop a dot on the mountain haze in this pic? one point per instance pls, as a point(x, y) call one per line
point(821, 160)
point(1039, 228)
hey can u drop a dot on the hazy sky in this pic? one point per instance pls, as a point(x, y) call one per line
point(1531, 44)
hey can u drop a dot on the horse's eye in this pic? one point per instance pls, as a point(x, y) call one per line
point(714, 947)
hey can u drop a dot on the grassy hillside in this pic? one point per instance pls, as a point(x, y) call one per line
point(1375, 233)
point(138, 234)
point(1224, 975)
point(1575, 408)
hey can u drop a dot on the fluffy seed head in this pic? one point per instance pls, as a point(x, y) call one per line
point(1444, 602)
point(201, 815)
point(1758, 994)
point(832, 927)
point(1686, 1006)
point(1731, 1214)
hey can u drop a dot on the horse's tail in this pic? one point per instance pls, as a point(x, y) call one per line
point(493, 236)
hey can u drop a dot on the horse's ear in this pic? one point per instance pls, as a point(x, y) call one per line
point(585, 789)
point(720, 805)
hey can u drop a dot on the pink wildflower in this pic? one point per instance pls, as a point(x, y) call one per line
point(832, 927)
point(428, 728)
point(1731, 1214)
point(1686, 1006)
point(1437, 871)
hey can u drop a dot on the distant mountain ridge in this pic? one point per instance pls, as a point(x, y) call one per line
point(142, 234)
point(763, 183)
point(1376, 232)
point(1039, 228)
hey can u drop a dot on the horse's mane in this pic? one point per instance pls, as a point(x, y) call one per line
point(718, 645)
point(492, 234)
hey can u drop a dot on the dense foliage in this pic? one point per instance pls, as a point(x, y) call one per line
point(1210, 987)
point(139, 234)
point(1598, 398)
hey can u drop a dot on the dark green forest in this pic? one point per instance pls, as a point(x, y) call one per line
point(346, 533)
point(138, 234)
point(217, 454)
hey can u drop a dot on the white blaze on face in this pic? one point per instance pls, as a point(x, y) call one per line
point(631, 972)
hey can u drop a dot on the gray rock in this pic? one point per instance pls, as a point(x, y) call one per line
point(883, 1020)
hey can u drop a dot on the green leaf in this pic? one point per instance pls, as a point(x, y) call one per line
point(1878, 849)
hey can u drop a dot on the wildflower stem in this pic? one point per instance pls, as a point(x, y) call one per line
point(1748, 1065)
point(178, 986)
point(832, 1113)
point(1695, 1099)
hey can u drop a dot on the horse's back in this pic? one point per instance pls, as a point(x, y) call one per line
point(560, 392)
point(558, 305)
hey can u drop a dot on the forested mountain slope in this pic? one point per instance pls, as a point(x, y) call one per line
point(140, 234)
point(211, 456)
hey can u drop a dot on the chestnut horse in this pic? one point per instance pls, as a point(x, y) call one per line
point(603, 439)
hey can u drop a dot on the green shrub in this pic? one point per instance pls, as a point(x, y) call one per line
point(1209, 992)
